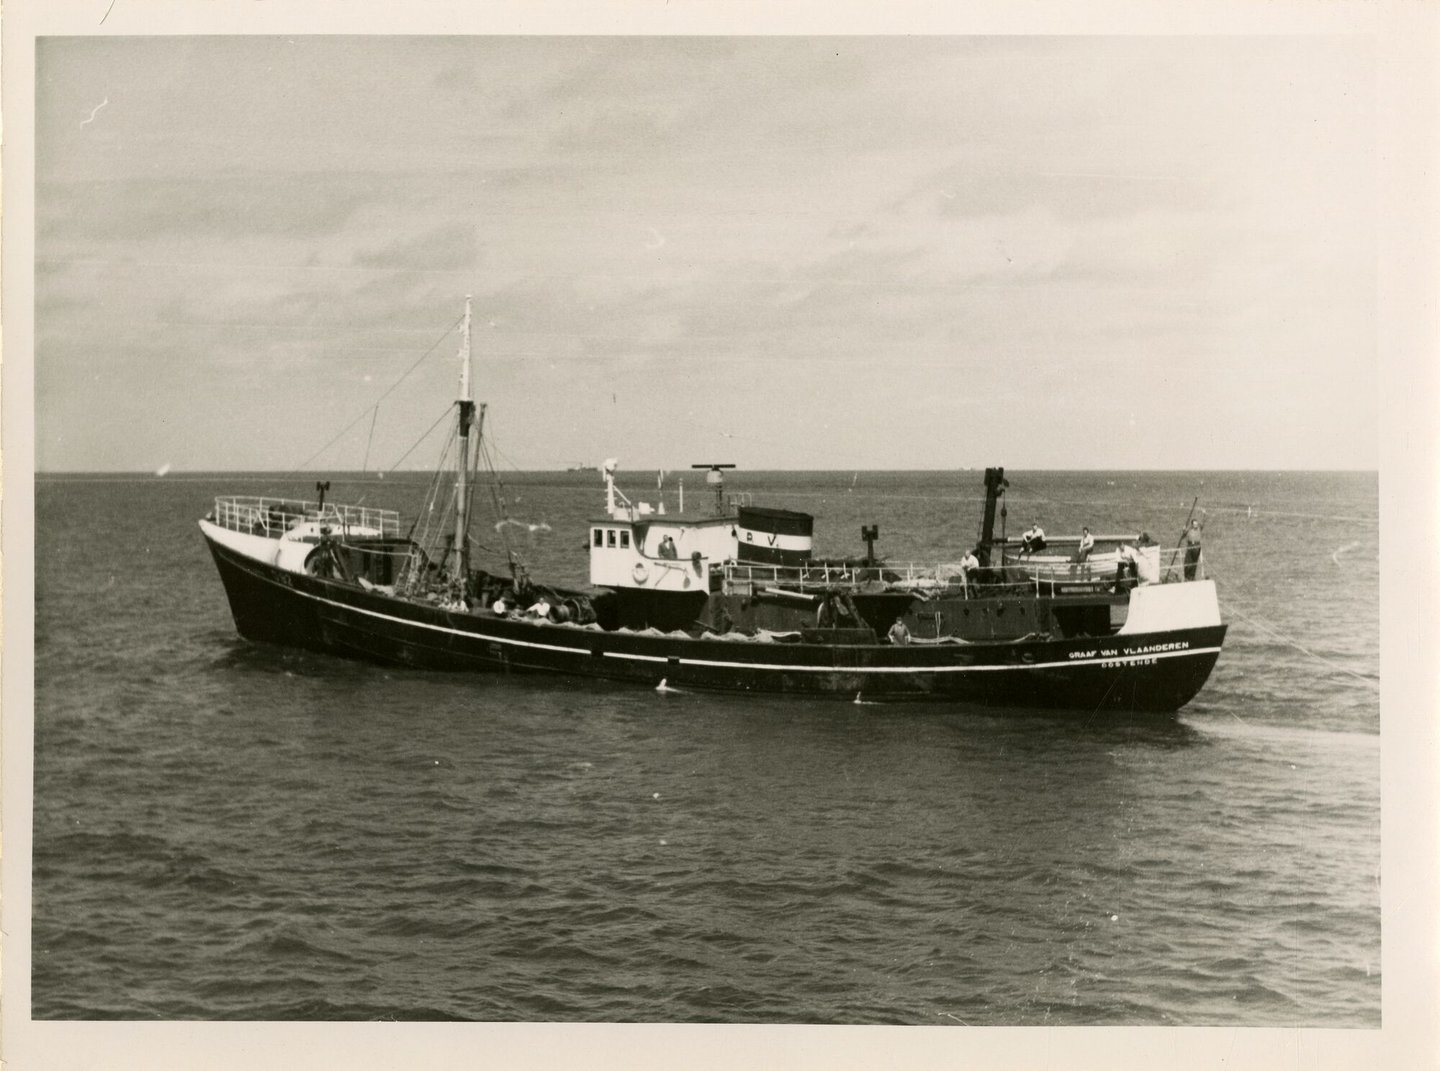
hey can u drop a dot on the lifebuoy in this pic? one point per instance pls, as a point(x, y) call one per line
point(641, 573)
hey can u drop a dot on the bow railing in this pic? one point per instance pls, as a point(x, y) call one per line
point(273, 517)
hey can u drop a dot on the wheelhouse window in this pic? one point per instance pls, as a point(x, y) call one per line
point(624, 539)
point(609, 537)
point(599, 539)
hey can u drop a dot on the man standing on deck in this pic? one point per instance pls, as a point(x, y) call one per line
point(1138, 560)
point(968, 566)
point(1191, 542)
point(1082, 553)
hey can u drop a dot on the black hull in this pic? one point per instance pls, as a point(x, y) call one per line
point(1158, 672)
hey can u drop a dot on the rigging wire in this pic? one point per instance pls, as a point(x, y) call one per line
point(508, 461)
point(375, 405)
point(1275, 634)
point(1031, 499)
point(365, 465)
point(420, 527)
point(497, 498)
point(413, 447)
point(424, 435)
point(423, 529)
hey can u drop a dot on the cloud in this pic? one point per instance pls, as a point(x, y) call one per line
point(867, 225)
point(448, 247)
point(459, 77)
point(961, 189)
point(203, 205)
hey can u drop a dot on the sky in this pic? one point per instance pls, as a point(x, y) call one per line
point(780, 252)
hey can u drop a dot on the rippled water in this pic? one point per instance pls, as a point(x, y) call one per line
point(228, 831)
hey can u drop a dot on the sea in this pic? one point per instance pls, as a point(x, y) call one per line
point(231, 831)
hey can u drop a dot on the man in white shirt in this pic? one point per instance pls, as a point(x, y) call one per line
point(1083, 551)
point(1140, 564)
point(968, 565)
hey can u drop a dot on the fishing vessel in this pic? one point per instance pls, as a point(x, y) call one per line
point(729, 596)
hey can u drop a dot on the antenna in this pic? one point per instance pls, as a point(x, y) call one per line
point(607, 470)
point(716, 479)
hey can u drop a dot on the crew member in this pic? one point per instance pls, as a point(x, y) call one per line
point(667, 548)
point(968, 565)
point(1137, 563)
point(1127, 565)
point(723, 622)
point(1033, 539)
point(825, 615)
point(1146, 567)
point(1082, 552)
point(1191, 542)
point(899, 634)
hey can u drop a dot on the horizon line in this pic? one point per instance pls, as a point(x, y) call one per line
point(178, 474)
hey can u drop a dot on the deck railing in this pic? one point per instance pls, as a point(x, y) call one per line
point(273, 517)
point(923, 577)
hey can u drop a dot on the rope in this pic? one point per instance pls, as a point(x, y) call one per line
point(1026, 498)
point(1275, 634)
point(497, 497)
point(428, 528)
point(427, 433)
point(376, 403)
point(365, 465)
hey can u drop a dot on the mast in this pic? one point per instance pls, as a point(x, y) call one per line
point(995, 484)
point(466, 415)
